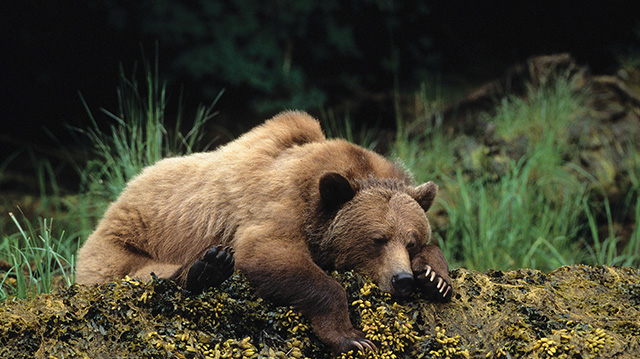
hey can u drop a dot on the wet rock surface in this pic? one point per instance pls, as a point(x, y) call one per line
point(572, 312)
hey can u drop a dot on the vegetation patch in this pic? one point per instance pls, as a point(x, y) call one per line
point(572, 312)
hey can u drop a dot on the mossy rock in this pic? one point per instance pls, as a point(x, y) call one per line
point(572, 312)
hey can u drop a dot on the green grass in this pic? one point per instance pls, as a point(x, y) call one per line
point(541, 115)
point(37, 260)
point(138, 136)
point(610, 248)
point(35, 252)
point(527, 204)
point(429, 155)
point(510, 223)
point(344, 128)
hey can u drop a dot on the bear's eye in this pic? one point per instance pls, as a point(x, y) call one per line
point(380, 240)
point(411, 245)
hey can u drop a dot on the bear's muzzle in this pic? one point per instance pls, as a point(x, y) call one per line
point(402, 283)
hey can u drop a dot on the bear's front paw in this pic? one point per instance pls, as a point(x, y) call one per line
point(433, 285)
point(214, 268)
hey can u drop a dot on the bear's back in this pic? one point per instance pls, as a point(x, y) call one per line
point(264, 174)
point(276, 135)
point(240, 162)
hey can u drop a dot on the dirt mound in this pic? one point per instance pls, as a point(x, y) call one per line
point(572, 312)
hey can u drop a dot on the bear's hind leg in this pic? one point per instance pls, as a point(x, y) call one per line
point(101, 260)
point(214, 268)
point(209, 271)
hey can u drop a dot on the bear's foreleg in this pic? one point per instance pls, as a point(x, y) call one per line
point(431, 272)
point(284, 273)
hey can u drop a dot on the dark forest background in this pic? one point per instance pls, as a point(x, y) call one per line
point(277, 54)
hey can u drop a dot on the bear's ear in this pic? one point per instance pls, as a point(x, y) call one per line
point(335, 190)
point(425, 194)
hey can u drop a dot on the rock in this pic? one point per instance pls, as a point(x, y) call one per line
point(572, 312)
point(464, 114)
point(601, 137)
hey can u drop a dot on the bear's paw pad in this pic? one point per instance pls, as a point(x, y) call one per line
point(214, 268)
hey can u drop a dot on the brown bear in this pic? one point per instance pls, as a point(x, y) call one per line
point(291, 204)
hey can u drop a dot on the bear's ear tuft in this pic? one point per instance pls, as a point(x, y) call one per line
point(335, 190)
point(425, 194)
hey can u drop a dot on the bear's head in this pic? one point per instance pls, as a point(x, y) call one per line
point(378, 227)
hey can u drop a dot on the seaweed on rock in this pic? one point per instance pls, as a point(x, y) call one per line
point(572, 312)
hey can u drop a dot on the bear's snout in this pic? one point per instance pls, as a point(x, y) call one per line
point(402, 283)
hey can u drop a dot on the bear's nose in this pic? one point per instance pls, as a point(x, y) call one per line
point(402, 283)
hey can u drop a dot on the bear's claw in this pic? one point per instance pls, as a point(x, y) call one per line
point(363, 345)
point(433, 285)
point(352, 340)
point(214, 268)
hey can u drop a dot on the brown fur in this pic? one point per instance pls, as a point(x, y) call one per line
point(290, 203)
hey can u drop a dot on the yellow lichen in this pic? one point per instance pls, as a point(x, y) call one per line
point(448, 347)
point(518, 314)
